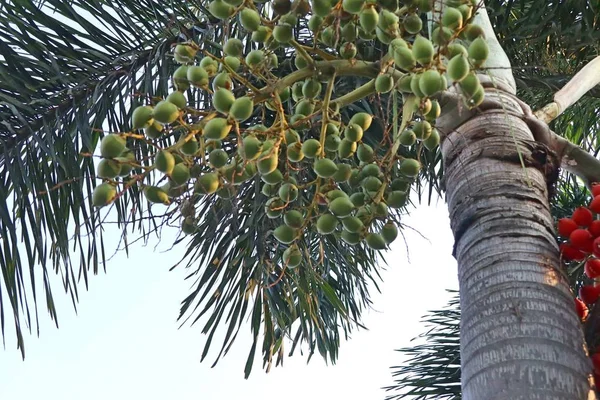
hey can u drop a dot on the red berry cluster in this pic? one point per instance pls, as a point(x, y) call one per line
point(583, 233)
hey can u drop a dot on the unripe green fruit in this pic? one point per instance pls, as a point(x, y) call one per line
point(412, 24)
point(415, 87)
point(141, 117)
point(222, 80)
point(249, 19)
point(389, 232)
point(332, 142)
point(358, 199)
point(341, 207)
point(274, 207)
point(262, 34)
point(267, 162)
point(441, 36)
point(226, 192)
point(351, 238)
point(126, 160)
point(154, 131)
point(166, 112)
point(433, 140)
point(404, 58)
point(108, 169)
point(478, 51)
point(184, 53)
point(452, 18)
point(251, 148)
point(371, 184)
point(314, 23)
point(353, 6)
point(458, 68)
point(375, 241)
point(311, 148)
point(352, 224)
point(164, 161)
point(293, 218)
point(434, 112)
point(292, 257)
point(300, 62)
point(222, 100)
point(396, 199)
point(362, 119)
point(232, 62)
point(473, 32)
point(289, 18)
point(218, 158)
point(368, 19)
point(348, 50)
point(156, 195)
point(210, 66)
point(285, 234)
point(388, 21)
point(384, 83)
point(281, 6)
point(328, 36)
point(190, 147)
point(333, 194)
point(430, 82)
point(216, 128)
point(343, 173)
point(400, 184)
point(178, 99)
point(477, 98)
point(180, 174)
point(353, 132)
point(103, 195)
point(233, 47)
point(326, 224)
point(470, 84)
point(349, 32)
point(197, 76)
point(422, 129)
point(404, 84)
point(370, 170)
point(269, 190)
point(407, 137)
point(294, 152)
point(242, 108)
point(410, 167)
point(365, 153)
point(304, 107)
point(325, 168)
point(346, 148)
point(288, 192)
point(321, 8)
point(180, 79)
point(422, 50)
point(112, 146)
point(383, 36)
point(297, 91)
point(283, 33)
point(455, 49)
point(311, 88)
point(273, 177)
point(254, 58)
point(207, 183)
point(221, 10)
point(391, 5)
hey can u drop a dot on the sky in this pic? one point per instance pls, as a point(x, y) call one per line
point(125, 343)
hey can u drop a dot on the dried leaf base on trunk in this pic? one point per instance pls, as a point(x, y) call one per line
point(517, 309)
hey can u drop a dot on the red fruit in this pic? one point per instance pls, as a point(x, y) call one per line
point(596, 247)
point(596, 362)
point(581, 309)
point(570, 253)
point(566, 226)
point(595, 204)
point(589, 294)
point(582, 216)
point(581, 239)
point(594, 228)
point(592, 268)
point(595, 189)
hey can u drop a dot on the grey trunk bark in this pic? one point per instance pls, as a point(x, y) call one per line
point(520, 336)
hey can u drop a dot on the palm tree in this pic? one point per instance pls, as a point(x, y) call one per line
point(66, 83)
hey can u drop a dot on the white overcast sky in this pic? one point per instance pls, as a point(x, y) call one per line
point(125, 343)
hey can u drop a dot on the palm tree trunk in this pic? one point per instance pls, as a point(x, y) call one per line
point(520, 336)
